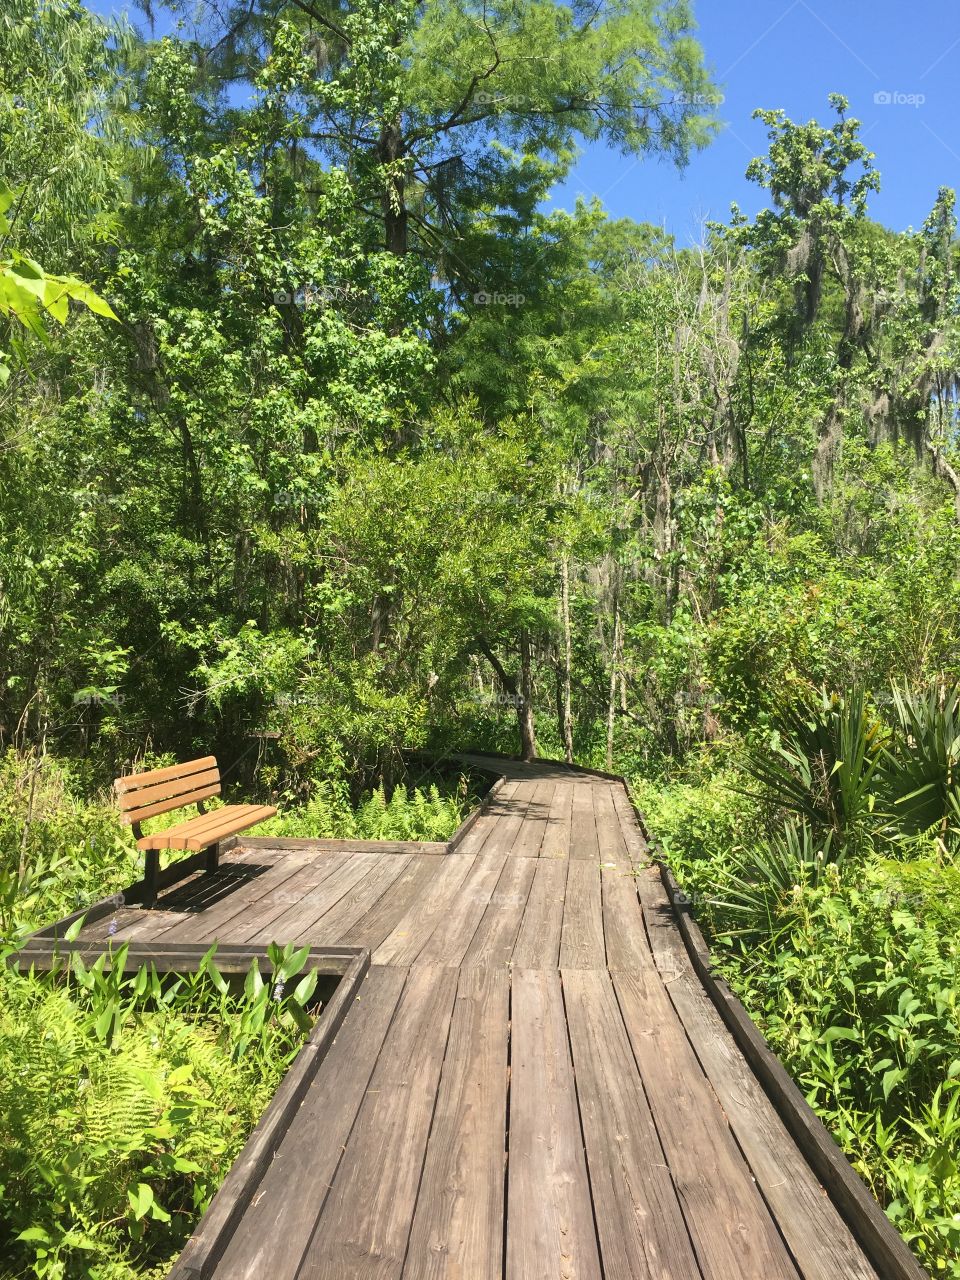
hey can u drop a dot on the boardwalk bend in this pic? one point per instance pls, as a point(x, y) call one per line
point(531, 1073)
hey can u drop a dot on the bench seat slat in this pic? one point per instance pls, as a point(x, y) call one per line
point(175, 802)
point(199, 824)
point(143, 797)
point(133, 781)
point(199, 834)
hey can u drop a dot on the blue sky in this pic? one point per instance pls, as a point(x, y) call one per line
point(792, 54)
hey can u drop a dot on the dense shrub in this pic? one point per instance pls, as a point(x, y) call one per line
point(124, 1100)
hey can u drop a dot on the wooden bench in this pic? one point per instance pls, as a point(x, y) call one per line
point(143, 795)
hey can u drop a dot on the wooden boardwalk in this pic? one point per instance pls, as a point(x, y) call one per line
point(532, 1083)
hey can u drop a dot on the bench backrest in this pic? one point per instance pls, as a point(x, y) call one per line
point(142, 795)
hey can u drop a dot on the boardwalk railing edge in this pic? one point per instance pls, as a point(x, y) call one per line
point(206, 1245)
point(475, 814)
point(876, 1234)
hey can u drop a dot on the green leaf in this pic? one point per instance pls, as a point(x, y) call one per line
point(73, 932)
point(141, 1199)
point(35, 1234)
point(891, 1079)
point(840, 1033)
point(305, 987)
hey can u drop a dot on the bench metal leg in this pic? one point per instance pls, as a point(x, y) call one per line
point(151, 868)
point(213, 858)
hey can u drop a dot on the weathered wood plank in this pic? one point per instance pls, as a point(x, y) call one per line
point(354, 904)
point(272, 904)
point(363, 1229)
point(453, 935)
point(509, 822)
point(231, 893)
point(538, 942)
point(384, 916)
point(458, 1223)
point(633, 838)
point(731, 1226)
point(496, 935)
point(581, 940)
point(294, 924)
point(557, 829)
point(583, 824)
point(612, 846)
point(550, 1229)
point(530, 835)
point(413, 931)
point(488, 822)
point(820, 1241)
point(471, 820)
point(275, 1231)
point(623, 927)
point(639, 1220)
point(291, 844)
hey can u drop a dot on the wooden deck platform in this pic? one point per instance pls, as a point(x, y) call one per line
point(532, 1082)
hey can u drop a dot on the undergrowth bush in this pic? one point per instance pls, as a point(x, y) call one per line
point(410, 814)
point(124, 1099)
point(835, 915)
point(58, 851)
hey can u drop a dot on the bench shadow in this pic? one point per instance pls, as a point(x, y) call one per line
point(209, 888)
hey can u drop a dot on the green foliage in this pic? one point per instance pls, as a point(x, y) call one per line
point(409, 814)
point(124, 1098)
point(921, 774)
point(58, 852)
point(861, 1005)
point(385, 459)
point(823, 766)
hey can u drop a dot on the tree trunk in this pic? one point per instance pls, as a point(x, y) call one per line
point(614, 669)
point(391, 151)
point(528, 741)
point(522, 693)
point(566, 718)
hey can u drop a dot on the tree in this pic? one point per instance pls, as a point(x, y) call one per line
point(445, 112)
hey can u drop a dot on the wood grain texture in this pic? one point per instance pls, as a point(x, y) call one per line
point(458, 1223)
point(454, 933)
point(538, 942)
point(385, 914)
point(131, 800)
point(731, 1227)
point(581, 940)
point(612, 846)
point(532, 828)
point(584, 843)
point(270, 905)
point(277, 1227)
point(294, 923)
point(819, 1240)
point(356, 902)
point(414, 930)
point(639, 1219)
point(557, 829)
point(623, 927)
point(496, 935)
point(488, 822)
point(511, 814)
point(550, 1229)
point(365, 1223)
